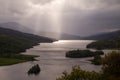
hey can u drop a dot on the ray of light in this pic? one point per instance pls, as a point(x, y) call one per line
point(50, 12)
point(55, 16)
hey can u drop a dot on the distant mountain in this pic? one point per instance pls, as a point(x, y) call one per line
point(108, 35)
point(70, 37)
point(18, 34)
point(12, 41)
point(15, 26)
point(61, 36)
point(54, 35)
point(109, 40)
point(64, 36)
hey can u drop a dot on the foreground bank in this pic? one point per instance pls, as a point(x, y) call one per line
point(10, 59)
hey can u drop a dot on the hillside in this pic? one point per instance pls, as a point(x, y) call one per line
point(109, 40)
point(15, 26)
point(12, 41)
point(65, 36)
point(54, 35)
point(113, 43)
point(60, 36)
point(102, 36)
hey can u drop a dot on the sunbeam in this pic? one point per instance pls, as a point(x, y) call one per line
point(48, 16)
point(55, 16)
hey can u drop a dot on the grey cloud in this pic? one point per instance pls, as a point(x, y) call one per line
point(87, 22)
point(111, 2)
point(13, 8)
point(86, 18)
point(41, 1)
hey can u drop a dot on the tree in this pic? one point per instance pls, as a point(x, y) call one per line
point(110, 70)
point(34, 70)
point(79, 74)
point(111, 66)
point(97, 60)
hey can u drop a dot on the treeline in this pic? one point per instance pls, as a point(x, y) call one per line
point(12, 41)
point(105, 44)
point(82, 53)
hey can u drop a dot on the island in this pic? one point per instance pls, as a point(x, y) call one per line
point(34, 70)
point(82, 53)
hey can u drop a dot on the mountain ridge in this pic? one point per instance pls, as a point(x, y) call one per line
point(12, 41)
point(54, 35)
point(107, 35)
point(15, 26)
point(60, 36)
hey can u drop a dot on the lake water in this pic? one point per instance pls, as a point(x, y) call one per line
point(52, 61)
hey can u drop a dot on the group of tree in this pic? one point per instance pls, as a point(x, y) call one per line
point(82, 53)
point(34, 70)
point(97, 60)
point(110, 70)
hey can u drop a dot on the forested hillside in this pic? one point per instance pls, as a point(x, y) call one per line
point(12, 41)
point(113, 43)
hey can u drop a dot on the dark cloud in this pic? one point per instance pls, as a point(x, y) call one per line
point(91, 21)
point(81, 17)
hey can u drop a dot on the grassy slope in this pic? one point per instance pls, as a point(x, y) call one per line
point(9, 61)
point(15, 58)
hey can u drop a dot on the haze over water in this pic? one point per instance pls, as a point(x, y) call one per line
point(52, 61)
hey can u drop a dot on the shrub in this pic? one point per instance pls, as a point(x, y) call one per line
point(79, 74)
point(97, 60)
point(111, 66)
point(34, 70)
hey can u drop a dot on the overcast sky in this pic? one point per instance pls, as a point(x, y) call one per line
point(81, 17)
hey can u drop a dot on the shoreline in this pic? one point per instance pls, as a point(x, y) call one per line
point(12, 61)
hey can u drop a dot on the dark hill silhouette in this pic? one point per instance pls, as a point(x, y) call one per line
point(54, 35)
point(60, 36)
point(109, 40)
point(108, 35)
point(12, 41)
